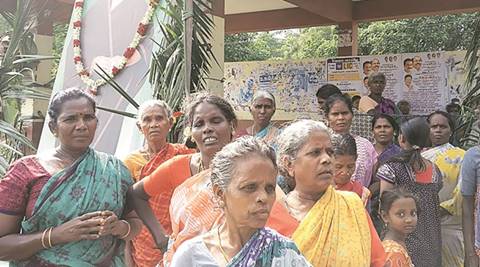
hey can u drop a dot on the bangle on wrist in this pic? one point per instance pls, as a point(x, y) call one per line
point(50, 237)
point(129, 228)
point(43, 239)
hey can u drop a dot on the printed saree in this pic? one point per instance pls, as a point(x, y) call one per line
point(335, 232)
point(268, 248)
point(449, 159)
point(267, 134)
point(95, 182)
point(144, 252)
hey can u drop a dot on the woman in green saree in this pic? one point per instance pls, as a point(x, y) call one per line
point(67, 207)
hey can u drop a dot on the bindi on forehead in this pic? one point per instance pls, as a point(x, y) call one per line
point(76, 114)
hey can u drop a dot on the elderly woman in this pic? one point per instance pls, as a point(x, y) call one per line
point(212, 122)
point(243, 177)
point(449, 159)
point(340, 114)
point(422, 177)
point(330, 227)
point(55, 208)
point(262, 110)
point(154, 122)
point(375, 102)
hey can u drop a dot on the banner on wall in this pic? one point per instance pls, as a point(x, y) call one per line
point(427, 80)
point(293, 83)
point(344, 72)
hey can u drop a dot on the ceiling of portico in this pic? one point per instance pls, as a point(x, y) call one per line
point(247, 6)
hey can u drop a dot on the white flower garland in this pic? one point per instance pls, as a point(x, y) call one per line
point(128, 53)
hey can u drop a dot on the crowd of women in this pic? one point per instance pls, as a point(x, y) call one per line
point(301, 195)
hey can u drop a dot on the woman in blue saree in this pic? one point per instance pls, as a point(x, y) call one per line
point(67, 207)
point(246, 193)
point(262, 109)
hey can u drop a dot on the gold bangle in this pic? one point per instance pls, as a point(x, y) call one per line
point(128, 231)
point(43, 239)
point(50, 237)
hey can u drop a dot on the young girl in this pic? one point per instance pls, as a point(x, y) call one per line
point(345, 155)
point(398, 209)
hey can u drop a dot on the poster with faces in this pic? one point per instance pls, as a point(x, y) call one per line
point(423, 81)
point(426, 80)
point(390, 65)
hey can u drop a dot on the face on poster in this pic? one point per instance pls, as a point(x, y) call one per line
point(419, 78)
point(389, 65)
point(423, 85)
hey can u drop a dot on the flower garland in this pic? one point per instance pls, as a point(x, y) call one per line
point(127, 54)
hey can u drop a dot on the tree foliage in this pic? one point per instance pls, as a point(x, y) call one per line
point(252, 47)
point(435, 33)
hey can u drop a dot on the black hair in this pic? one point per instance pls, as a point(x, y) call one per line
point(355, 97)
point(389, 118)
point(327, 90)
point(336, 98)
point(401, 102)
point(344, 145)
point(407, 59)
point(365, 63)
point(389, 196)
point(406, 76)
point(217, 101)
point(65, 95)
point(452, 106)
point(365, 78)
point(417, 133)
point(451, 123)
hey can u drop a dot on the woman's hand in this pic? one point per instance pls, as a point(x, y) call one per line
point(111, 225)
point(85, 227)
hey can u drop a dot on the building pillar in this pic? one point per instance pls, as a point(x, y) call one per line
point(215, 77)
point(347, 39)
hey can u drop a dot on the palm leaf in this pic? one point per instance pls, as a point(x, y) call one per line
point(14, 134)
point(471, 91)
point(119, 112)
point(104, 75)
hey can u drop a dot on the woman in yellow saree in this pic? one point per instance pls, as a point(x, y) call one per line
point(330, 227)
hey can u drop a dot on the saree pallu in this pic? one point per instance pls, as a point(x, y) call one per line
point(144, 250)
point(357, 188)
point(335, 232)
point(267, 134)
point(192, 211)
point(268, 248)
point(448, 159)
point(95, 182)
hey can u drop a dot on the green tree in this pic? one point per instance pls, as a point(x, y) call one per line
point(434, 33)
point(252, 47)
point(239, 47)
point(450, 32)
point(316, 42)
point(59, 35)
